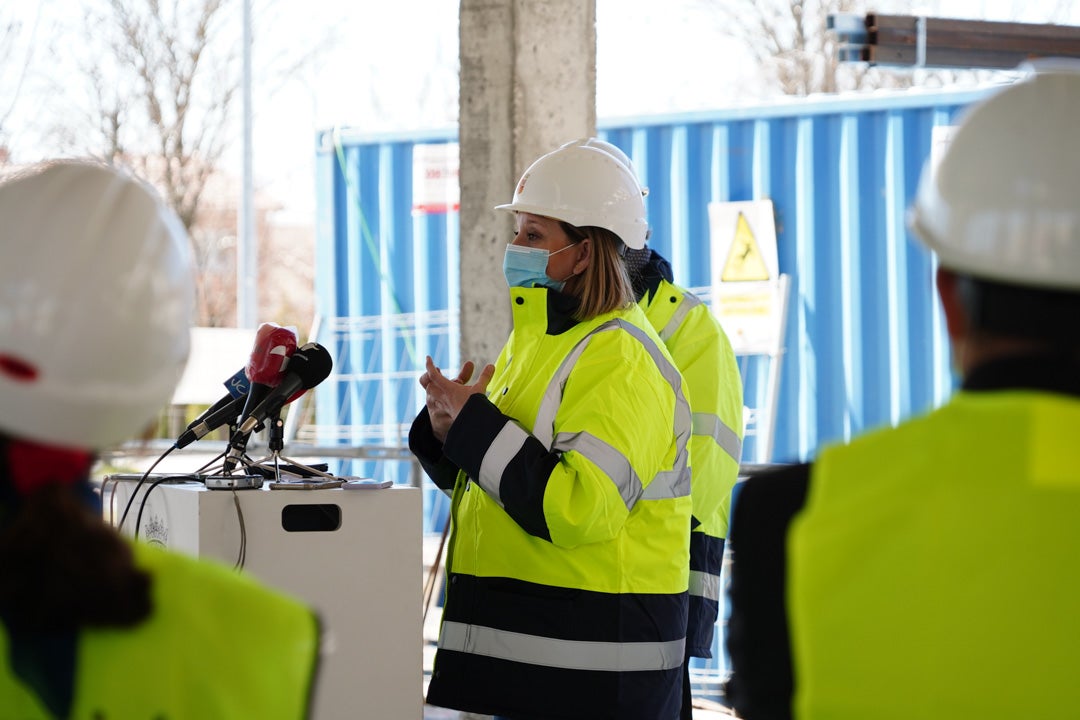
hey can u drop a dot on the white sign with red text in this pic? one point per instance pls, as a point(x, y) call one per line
point(435, 179)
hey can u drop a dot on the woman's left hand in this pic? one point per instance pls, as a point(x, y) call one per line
point(446, 397)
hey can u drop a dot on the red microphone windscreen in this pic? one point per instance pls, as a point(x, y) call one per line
point(274, 345)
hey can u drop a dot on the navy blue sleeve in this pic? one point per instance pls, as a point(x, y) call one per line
point(761, 684)
point(525, 476)
point(429, 452)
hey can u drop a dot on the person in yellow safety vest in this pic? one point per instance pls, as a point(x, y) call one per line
point(701, 350)
point(568, 465)
point(931, 567)
point(95, 312)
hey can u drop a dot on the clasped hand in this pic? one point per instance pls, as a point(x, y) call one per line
point(446, 397)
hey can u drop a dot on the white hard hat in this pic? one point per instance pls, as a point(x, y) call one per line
point(615, 151)
point(1004, 203)
point(96, 303)
point(584, 186)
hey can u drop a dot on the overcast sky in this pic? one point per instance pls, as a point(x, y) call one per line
point(382, 66)
point(389, 71)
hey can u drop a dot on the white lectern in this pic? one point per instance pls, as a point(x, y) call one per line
point(354, 555)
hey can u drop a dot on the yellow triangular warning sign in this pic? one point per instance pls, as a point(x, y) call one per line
point(744, 261)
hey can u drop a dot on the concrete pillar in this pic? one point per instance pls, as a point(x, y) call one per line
point(528, 84)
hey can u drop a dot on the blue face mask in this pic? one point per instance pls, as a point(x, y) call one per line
point(525, 267)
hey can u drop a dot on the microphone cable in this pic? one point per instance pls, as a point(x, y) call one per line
point(146, 496)
point(242, 553)
point(212, 462)
point(131, 499)
point(241, 557)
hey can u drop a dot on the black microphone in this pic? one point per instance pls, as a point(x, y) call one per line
point(309, 366)
point(274, 346)
point(223, 411)
point(224, 415)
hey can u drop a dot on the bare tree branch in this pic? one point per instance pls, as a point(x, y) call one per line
point(14, 61)
point(160, 101)
point(789, 40)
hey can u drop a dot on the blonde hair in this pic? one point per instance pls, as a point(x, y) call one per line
point(605, 285)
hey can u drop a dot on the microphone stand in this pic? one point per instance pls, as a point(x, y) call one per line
point(224, 479)
point(277, 444)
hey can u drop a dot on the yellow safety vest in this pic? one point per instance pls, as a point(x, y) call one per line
point(605, 395)
point(701, 350)
point(217, 645)
point(933, 572)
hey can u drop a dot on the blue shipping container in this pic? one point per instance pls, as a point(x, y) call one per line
point(864, 342)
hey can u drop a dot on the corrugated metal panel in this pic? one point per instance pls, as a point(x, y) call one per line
point(864, 343)
point(386, 292)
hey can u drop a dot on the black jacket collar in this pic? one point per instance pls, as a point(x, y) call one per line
point(648, 279)
point(1050, 372)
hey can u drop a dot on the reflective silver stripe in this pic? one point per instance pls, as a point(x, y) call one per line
point(705, 585)
point(666, 484)
point(544, 427)
point(674, 482)
point(612, 462)
point(690, 301)
point(566, 654)
point(505, 446)
point(709, 425)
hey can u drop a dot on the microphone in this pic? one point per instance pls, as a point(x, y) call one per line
point(274, 345)
point(208, 423)
point(226, 409)
point(308, 367)
point(274, 348)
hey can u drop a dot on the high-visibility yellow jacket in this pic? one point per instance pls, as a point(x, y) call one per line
point(217, 645)
point(933, 571)
point(568, 558)
point(701, 350)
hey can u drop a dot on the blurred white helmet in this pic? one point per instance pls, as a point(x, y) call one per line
point(1004, 202)
point(584, 186)
point(97, 303)
point(615, 151)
